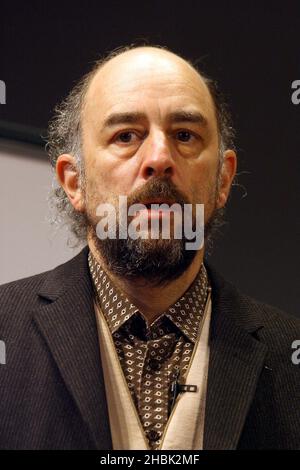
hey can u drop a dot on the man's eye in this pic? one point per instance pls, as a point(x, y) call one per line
point(184, 136)
point(126, 137)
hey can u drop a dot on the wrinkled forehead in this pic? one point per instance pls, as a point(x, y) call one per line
point(125, 80)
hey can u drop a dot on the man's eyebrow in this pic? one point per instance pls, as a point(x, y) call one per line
point(188, 116)
point(174, 117)
point(123, 118)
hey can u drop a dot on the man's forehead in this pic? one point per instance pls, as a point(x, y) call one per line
point(144, 57)
point(148, 70)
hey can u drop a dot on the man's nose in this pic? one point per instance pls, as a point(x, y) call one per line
point(157, 159)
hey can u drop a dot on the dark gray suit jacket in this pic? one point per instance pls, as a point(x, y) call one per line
point(52, 393)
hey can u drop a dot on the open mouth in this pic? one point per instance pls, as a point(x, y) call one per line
point(149, 204)
point(157, 208)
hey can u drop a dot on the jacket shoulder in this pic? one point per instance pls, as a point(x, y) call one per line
point(271, 316)
point(279, 329)
point(269, 323)
point(17, 300)
point(27, 294)
point(22, 290)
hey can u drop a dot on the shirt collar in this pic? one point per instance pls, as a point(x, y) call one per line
point(186, 313)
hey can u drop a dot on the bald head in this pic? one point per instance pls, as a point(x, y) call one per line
point(142, 69)
point(149, 82)
point(64, 131)
point(145, 59)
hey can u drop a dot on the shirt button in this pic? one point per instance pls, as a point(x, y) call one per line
point(153, 435)
point(154, 364)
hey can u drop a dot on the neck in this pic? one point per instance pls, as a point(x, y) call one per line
point(152, 300)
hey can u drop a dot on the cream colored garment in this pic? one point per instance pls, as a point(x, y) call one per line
point(184, 430)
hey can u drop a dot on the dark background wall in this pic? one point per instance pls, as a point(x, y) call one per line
point(252, 49)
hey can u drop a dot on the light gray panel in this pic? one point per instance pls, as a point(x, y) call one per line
point(28, 244)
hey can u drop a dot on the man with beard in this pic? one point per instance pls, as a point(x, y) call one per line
point(138, 343)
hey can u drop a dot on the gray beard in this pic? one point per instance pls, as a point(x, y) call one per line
point(159, 261)
point(156, 261)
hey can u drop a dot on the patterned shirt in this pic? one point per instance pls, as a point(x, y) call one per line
point(152, 356)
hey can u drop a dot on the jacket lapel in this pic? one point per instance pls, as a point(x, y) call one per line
point(69, 327)
point(236, 361)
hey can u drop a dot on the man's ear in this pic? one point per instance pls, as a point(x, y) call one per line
point(68, 176)
point(227, 173)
